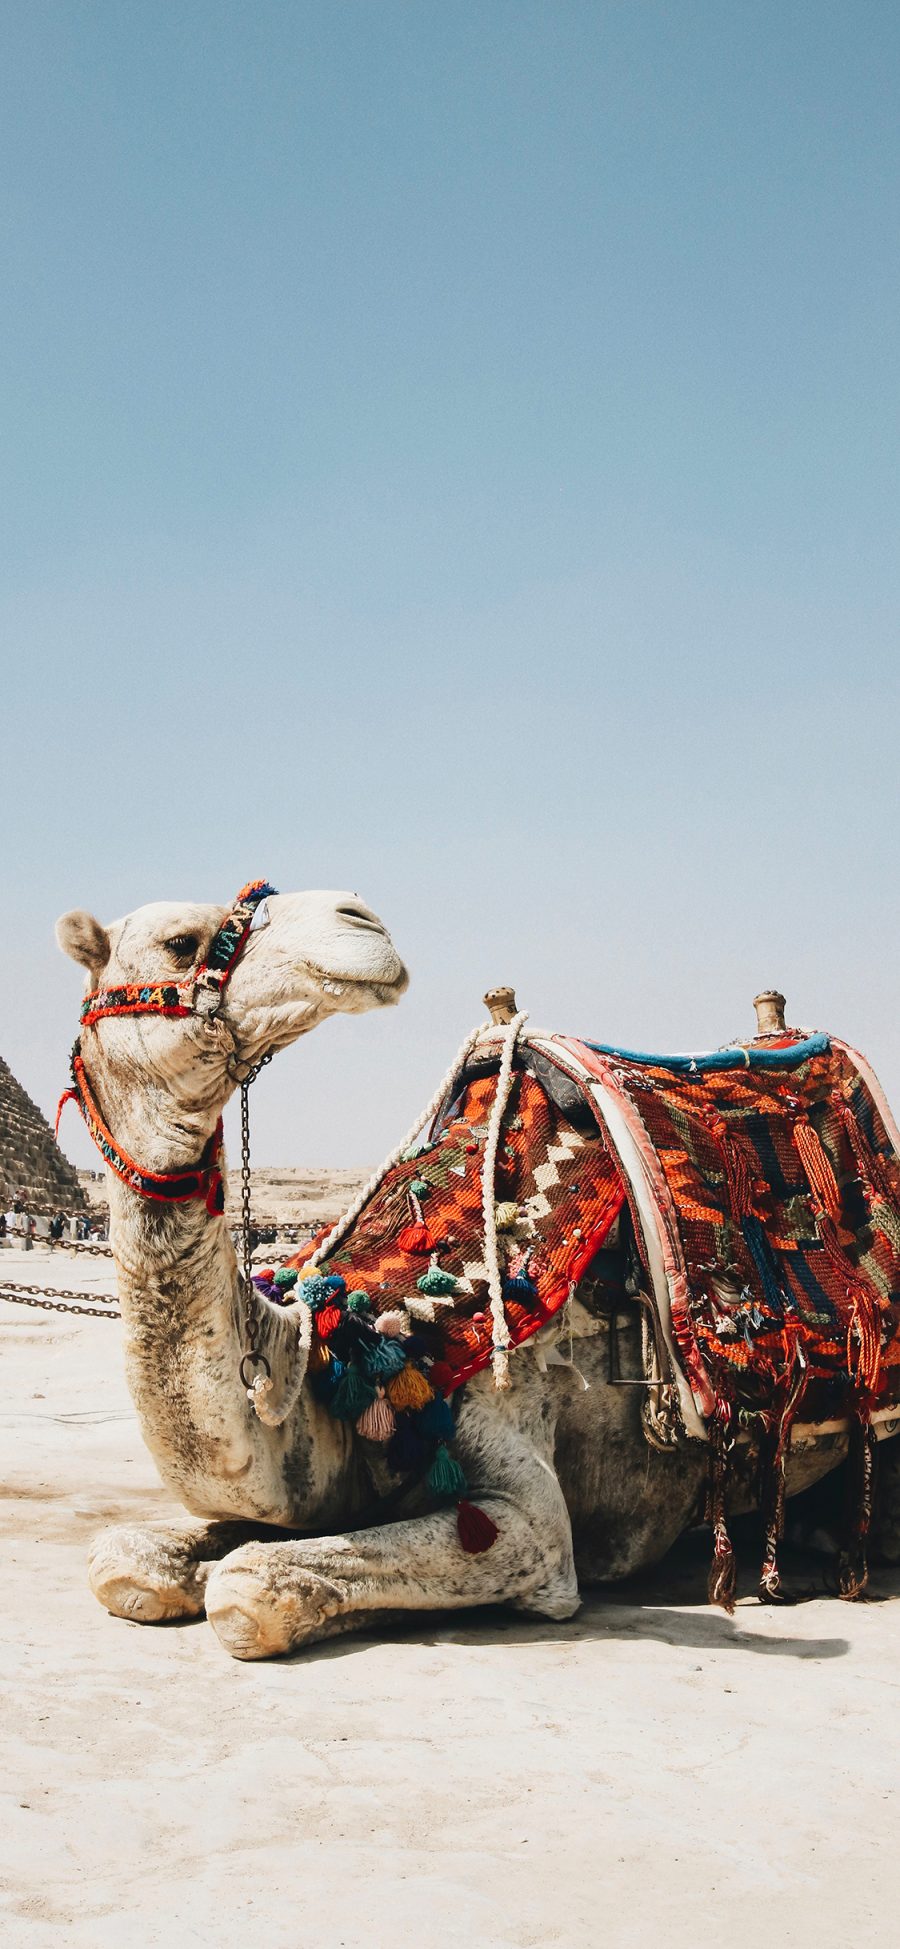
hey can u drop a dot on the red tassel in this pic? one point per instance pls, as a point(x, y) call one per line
point(475, 1530)
point(817, 1165)
point(326, 1321)
point(416, 1239)
point(441, 1376)
point(68, 1096)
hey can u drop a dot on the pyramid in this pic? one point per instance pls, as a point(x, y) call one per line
point(30, 1158)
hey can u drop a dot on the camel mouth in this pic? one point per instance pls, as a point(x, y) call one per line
point(366, 990)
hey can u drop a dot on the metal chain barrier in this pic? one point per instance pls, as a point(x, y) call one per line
point(53, 1299)
point(102, 1306)
point(81, 1245)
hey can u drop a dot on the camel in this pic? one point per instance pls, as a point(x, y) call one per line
point(283, 1547)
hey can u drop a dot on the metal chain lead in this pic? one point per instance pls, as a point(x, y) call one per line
point(252, 1357)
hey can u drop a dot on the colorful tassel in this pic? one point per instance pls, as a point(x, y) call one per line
point(436, 1420)
point(722, 1584)
point(506, 1216)
point(409, 1389)
point(360, 1304)
point(420, 1187)
point(286, 1277)
point(318, 1291)
point(393, 1323)
point(385, 1357)
point(352, 1395)
point(435, 1282)
point(417, 1240)
point(520, 1288)
point(378, 1421)
point(817, 1166)
point(327, 1321)
point(445, 1477)
point(325, 1383)
point(474, 1528)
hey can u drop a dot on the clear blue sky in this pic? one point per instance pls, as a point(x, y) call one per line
point(451, 451)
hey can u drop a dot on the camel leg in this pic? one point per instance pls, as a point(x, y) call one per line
point(152, 1572)
point(268, 1598)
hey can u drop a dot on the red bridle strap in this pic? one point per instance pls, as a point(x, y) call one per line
point(198, 993)
point(203, 1180)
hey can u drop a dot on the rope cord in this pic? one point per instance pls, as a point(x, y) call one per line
point(500, 1355)
point(261, 1386)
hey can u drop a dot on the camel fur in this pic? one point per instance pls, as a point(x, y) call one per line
point(284, 1546)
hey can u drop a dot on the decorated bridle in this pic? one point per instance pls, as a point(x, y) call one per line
point(198, 993)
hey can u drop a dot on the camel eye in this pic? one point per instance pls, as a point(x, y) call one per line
point(183, 946)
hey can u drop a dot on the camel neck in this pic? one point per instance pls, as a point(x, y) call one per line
point(180, 1293)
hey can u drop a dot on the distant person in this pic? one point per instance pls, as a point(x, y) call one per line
point(57, 1225)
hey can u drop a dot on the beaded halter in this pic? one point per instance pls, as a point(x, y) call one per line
point(198, 993)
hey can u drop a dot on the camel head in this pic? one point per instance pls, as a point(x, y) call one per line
point(308, 956)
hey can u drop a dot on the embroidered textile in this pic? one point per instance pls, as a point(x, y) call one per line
point(418, 1241)
point(783, 1190)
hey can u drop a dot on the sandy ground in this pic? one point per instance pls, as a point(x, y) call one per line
point(652, 1772)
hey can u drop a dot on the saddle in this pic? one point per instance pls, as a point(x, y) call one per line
point(759, 1187)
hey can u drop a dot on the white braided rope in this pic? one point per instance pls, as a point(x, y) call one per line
point(352, 1212)
point(263, 1386)
point(259, 1392)
point(500, 1355)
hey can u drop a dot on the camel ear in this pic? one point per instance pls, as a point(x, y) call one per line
point(81, 936)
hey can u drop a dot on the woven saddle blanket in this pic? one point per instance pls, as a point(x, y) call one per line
point(763, 1185)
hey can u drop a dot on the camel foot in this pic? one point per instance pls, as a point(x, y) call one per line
point(558, 1601)
point(261, 1604)
point(154, 1573)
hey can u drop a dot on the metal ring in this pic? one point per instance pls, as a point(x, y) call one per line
point(259, 1360)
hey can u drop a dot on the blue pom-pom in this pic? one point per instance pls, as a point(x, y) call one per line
point(385, 1358)
point(522, 1288)
point(325, 1381)
point(436, 1420)
point(320, 1291)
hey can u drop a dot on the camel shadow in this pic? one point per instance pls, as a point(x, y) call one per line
point(599, 1619)
point(667, 1605)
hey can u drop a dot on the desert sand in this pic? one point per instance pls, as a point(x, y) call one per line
point(301, 1197)
point(651, 1773)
